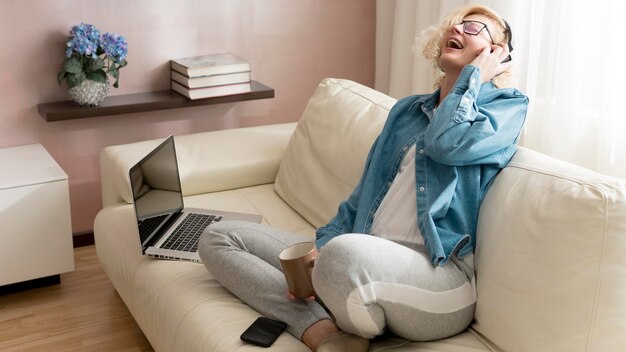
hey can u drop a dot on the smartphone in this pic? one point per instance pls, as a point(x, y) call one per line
point(507, 59)
point(263, 332)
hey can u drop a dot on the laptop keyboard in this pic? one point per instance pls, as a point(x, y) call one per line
point(147, 226)
point(185, 236)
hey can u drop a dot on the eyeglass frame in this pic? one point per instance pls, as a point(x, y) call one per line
point(464, 22)
point(507, 30)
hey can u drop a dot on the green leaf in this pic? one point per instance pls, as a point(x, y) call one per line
point(61, 76)
point(72, 65)
point(74, 79)
point(95, 65)
point(98, 76)
point(114, 72)
point(123, 63)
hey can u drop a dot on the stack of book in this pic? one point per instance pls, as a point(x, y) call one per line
point(209, 76)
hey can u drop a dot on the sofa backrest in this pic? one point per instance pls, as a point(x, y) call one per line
point(326, 154)
point(208, 162)
point(551, 258)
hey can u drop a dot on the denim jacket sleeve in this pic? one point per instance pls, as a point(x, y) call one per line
point(476, 123)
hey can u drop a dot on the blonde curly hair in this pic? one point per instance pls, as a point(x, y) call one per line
point(432, 40)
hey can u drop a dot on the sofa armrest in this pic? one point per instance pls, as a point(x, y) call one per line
point(208, 162)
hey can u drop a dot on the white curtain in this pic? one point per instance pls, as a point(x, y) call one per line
point(570, 60)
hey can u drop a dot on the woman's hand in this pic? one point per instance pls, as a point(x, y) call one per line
point(489, 61)
point(292, 297)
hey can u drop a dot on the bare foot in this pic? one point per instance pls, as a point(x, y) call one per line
point(343, 342)
point(318, 332)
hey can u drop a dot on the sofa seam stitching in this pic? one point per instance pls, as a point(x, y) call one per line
point(599, 280)
point(338, 83)
point(238, 190)
point(543, 172)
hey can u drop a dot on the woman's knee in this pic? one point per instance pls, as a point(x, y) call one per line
point(349, 249)
point(218, 235)
point(225, 227)
point(221, 231)
point(341, 259)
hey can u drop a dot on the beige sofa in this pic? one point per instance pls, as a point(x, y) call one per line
point(550, 260)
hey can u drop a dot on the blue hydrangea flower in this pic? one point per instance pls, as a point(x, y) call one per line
point(84, 39)
point(91, 56)
point(114, 45)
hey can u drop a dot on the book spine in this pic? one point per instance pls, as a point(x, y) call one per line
point(180, 89)
point(211, 80)
point(171, 70)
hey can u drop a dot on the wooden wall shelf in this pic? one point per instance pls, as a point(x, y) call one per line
point(141, 102)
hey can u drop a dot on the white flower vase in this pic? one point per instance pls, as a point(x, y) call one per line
point(89, 92)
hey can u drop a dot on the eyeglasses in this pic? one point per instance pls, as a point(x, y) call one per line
point(472, 27)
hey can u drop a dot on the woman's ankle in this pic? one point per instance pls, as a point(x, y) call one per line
point(318, 332)
point(343, 342)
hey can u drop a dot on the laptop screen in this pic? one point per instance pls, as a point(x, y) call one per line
point(156, 188)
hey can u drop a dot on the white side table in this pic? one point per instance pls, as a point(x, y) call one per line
point(35, 223)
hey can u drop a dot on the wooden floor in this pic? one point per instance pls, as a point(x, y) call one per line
point(83, 313)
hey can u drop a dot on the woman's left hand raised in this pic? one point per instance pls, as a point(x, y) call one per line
point(489, 61)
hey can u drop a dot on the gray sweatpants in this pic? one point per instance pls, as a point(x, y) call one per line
point(369, 284)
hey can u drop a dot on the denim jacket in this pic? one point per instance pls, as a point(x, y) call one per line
point(461, 146)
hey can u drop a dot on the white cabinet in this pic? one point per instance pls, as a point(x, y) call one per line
point(35, 225)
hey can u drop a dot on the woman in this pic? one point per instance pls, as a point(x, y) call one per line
point(418, 198)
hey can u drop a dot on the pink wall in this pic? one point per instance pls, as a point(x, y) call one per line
point(291, 45)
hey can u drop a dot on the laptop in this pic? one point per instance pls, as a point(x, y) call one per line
point(168, 230)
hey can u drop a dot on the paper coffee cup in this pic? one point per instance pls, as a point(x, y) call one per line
point(297, 262)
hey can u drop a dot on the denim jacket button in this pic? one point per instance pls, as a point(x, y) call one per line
point(421, 151)
point(422, 189)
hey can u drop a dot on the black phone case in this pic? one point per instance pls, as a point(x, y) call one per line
point(263, 332)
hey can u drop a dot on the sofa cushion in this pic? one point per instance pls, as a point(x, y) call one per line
point(550, 263)
point(208, 162)
point(326, 154)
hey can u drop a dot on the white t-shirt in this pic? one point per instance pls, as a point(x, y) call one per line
point(396, 217)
